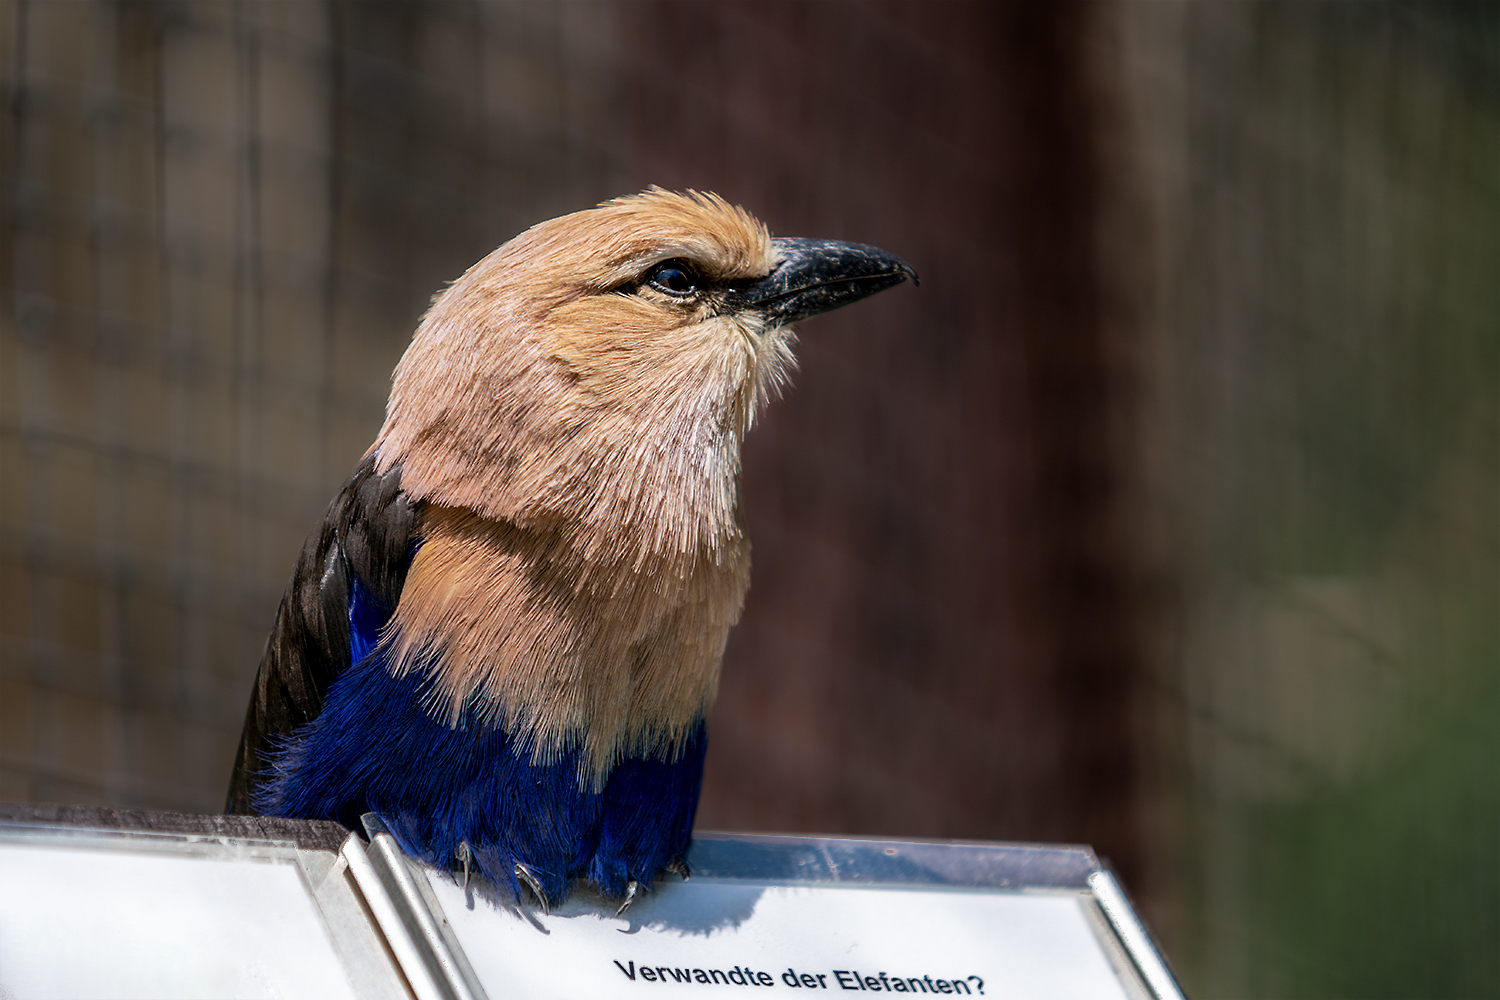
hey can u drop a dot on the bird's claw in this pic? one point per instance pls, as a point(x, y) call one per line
point(533, 883)
point(679, 866)
point(465, 858)
point(630, 890)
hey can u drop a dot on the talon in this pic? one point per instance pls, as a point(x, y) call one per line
point(679, 866)
point(524, 874)
point(465, 857)
point(630, 890)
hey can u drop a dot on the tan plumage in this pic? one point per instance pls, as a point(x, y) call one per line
point(583, 552)
point(504, 636)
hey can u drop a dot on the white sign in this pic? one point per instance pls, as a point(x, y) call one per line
point(111, 923)
point(723, 937)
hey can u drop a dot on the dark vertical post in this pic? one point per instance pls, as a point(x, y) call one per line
point(1079, 588)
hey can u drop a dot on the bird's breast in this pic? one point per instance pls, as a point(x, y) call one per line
point(522, 630)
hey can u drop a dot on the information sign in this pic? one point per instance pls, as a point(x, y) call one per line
point(717, 937)
point(160, 905)
point(97, 902)
point(814, 915)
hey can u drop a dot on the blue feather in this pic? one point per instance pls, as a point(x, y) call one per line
point(374, 748)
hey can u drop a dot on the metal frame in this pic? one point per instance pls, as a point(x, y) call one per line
point(838, 861)
point(373, 969)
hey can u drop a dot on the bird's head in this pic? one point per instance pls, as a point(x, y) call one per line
point(601, 369)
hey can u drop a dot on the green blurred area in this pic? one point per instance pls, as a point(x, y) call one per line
point(1330, 367)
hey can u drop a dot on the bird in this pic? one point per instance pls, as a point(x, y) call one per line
point(505, 635)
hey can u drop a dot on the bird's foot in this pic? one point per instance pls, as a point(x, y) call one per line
point(533, 883)
point(679, 866)
point(465, 858)
point(630, 890)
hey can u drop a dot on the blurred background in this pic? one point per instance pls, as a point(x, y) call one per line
point(1164, 516)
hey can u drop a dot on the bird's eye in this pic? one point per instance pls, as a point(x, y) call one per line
point(673, 277)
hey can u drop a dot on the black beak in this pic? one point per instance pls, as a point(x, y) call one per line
point(815, 276)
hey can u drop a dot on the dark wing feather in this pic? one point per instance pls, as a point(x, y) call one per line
point(366, 534)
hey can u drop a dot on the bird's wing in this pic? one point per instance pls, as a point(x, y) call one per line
point(365, 539)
